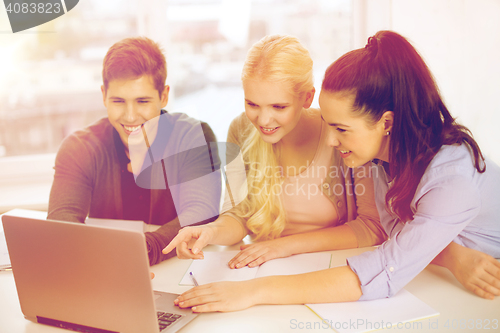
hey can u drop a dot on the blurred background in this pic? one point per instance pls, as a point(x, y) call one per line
point(50, 76)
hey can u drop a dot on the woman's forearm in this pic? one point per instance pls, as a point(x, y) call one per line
point(339, 284)
point(227, 231)
point(328, 239)
point(446, 257)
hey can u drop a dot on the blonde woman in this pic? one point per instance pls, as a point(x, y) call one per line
point(301, 196)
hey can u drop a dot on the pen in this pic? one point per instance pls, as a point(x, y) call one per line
point(194, 280)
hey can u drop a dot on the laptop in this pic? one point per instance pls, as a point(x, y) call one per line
point(87, 278)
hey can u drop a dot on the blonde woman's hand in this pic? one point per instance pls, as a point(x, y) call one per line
point(476, 271)
point(190, 241)
point(219, 296)
point(253, 255)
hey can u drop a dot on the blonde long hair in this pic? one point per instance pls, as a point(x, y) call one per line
point(280, 59)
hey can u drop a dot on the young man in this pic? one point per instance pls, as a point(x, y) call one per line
point(141, 162)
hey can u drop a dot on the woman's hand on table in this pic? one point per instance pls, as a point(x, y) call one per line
point(190, 241)
point(253, 255)
point(219, 296)
point(475, 270)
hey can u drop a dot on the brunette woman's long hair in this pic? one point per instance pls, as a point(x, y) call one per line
point(388, 74)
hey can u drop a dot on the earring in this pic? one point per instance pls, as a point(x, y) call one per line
point(388, 133)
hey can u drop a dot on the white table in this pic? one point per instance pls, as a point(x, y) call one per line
point(435, 285)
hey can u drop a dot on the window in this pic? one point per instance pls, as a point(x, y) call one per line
point(50, 75)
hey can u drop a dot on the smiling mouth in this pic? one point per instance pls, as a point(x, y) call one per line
point(268, 130)
point(345, 153)
point(132, 129)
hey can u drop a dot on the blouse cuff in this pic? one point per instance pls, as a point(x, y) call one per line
point(373, 273)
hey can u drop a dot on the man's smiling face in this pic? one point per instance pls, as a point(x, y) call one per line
point(131, 103)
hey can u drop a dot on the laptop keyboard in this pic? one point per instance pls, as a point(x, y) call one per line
point(166, 319)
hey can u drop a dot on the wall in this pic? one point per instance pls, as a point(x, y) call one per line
point(460, 41)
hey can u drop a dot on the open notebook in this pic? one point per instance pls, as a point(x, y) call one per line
point(366, 316)
point(398, 311)
point(214, 267)
point(362, 316)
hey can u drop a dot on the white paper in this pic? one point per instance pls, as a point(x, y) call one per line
point(214, 267)
point(367, 316)
point(296, 264)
